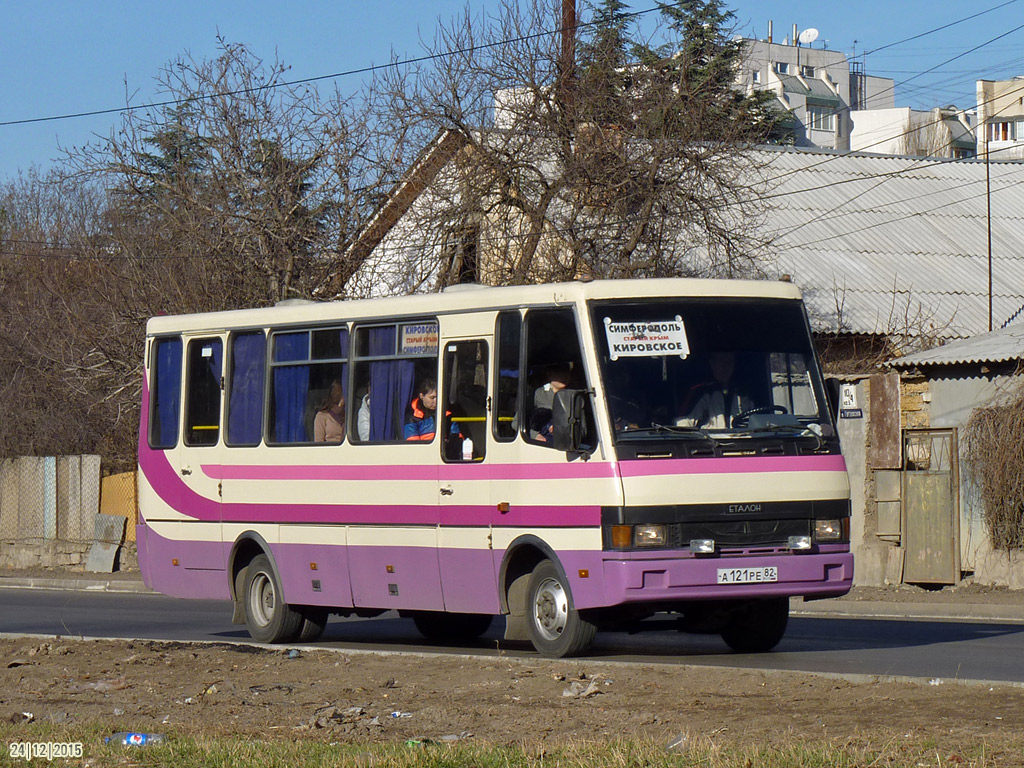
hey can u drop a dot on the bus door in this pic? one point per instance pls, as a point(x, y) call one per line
point(468, 581)
point(201, 453)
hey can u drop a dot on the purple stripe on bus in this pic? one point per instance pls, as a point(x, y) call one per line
point(406, 472)
point(731, 465)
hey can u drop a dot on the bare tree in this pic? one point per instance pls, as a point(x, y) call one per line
point(264, 181)
point(245, 192)
point(636, 167)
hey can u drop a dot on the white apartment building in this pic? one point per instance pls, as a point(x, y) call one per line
point(818, 86)
point(941, 132)
point(1001, 118)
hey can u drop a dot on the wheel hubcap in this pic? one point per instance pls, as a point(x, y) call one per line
point(551, 609)
point(262, 599)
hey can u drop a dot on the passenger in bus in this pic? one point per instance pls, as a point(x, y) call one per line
point(329, 422)
point(558, 377)
point(420, 421)
point(713, 405)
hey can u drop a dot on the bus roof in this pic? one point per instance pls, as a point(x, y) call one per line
point(466, 298)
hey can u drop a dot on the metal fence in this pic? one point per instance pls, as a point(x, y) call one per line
point(54, 508)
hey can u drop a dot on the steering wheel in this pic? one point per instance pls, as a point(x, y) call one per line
point(741, 418)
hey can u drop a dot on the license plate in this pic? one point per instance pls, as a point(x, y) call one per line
point(748, 575)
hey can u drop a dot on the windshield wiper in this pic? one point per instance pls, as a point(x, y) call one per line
point(682, 431)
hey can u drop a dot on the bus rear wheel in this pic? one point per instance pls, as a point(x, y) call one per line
point(314, 620)
point(267, 617)
point(555, 627)
point(757, 626)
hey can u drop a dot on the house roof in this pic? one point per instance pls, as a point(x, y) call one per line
point(885, 244)
point(879, 244)
point(1005, 345)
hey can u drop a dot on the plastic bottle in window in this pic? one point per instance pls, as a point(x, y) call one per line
point(467, 449)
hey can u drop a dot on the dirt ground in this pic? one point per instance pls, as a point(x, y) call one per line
point(219, 689)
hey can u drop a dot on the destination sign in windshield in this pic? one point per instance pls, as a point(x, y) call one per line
point(646, 338)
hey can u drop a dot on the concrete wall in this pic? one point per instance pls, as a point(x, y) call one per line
point(48, 508)
point(952, 402)
point(871, 555)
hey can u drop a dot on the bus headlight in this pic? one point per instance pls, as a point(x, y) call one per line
point(832, 530)
point(649, 535)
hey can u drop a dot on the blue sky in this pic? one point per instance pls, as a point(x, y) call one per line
point(69, 56)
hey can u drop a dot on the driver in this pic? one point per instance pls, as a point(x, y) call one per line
point(718, 400)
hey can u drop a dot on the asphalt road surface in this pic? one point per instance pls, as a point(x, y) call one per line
point(913, 648)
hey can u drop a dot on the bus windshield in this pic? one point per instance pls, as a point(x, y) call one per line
point(711, 366)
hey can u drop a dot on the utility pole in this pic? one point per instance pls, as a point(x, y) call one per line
point(988, 211)
point(567, 60)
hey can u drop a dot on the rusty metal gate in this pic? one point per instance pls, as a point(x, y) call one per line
point(931, 506)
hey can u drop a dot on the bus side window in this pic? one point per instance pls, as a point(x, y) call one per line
point(306, 366)
point(391, 362)
point(203, 386)
point(247, 369)
point(165, 397)
point(553, 362)
point(506, 382)
point(464, 428)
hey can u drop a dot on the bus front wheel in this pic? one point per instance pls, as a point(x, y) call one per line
point(757, 626)
point(268, 617)
point(555, 627)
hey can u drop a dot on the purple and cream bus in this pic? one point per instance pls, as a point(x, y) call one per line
point(573, 474)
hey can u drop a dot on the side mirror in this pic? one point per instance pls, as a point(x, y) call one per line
point(832, 392)
point(569, 419)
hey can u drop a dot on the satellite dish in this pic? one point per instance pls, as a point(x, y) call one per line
point(808, 36)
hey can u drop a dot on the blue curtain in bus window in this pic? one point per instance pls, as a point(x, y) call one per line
point(291, 385)
point(245, 406)
point(344, 367)
point(391, 385)
point(168, 394)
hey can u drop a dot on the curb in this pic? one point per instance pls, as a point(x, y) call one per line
point(881, 609)
point(77, 585)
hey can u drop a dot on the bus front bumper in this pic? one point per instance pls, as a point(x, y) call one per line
point(661, 579)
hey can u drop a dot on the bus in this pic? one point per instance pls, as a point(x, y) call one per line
point(586, 455)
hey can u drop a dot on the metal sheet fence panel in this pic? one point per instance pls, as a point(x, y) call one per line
point(931, 507)
point(44, 499)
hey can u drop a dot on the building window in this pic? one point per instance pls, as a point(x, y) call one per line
point(460, 255)
point(782, 67)
point(755, 76)
point(820, 118)
point(807, 71)
point(1003, 130)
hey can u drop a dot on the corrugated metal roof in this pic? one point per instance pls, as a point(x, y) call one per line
point(884, 244)
point(1002, 346)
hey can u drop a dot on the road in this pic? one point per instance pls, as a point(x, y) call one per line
point(886, 647)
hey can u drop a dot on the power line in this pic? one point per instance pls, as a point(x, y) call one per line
point(333, 76)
